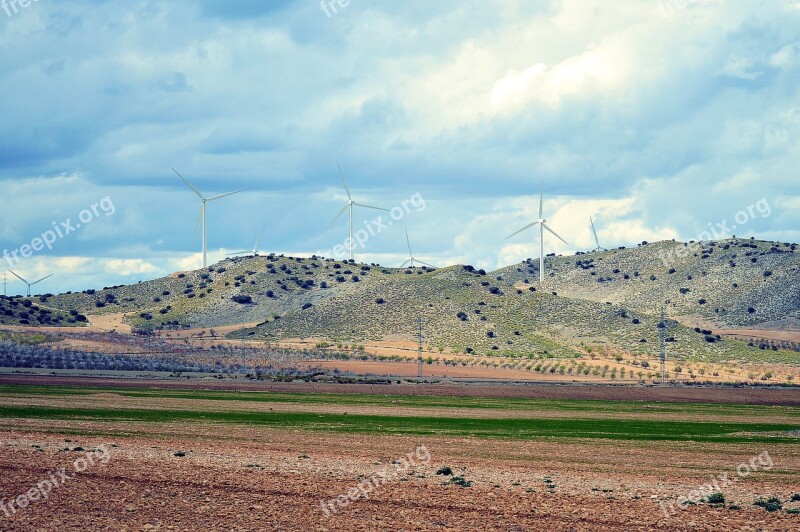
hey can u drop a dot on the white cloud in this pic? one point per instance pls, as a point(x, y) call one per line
point(127, 267)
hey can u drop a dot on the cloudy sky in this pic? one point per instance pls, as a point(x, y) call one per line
point(658, 118)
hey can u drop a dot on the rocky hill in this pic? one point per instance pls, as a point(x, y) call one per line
point(729, 283)
point(609, 299)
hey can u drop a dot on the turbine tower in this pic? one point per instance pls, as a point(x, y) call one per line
point(30, 284)
point(202, 215)
point(349, 205)
point(596, 241)
point(254, 252)
point(542, 226)
point(411, 258)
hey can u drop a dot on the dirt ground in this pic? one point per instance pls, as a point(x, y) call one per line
point(540, 390)
point(252, 478)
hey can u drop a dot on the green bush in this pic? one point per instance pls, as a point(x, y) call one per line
point(772, 504)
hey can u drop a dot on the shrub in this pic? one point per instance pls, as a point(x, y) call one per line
point(307, 306)
point(444, 470)
point(242, 299)
point(772, 504)
point(716, 498)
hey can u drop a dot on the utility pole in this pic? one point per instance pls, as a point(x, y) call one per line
point(419, 348)
point(662, 325)
point(5, 283)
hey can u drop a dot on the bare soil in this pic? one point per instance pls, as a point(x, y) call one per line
point(246, 478)
point(676, 394)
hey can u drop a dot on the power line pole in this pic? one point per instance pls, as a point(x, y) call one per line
point(419, 348)
point(5, 284)
point(662, 346)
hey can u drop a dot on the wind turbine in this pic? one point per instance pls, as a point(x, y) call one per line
point(596, 241)
point(30, 284)
point(202, 214)
point(411, 258)
point(255, 248)
point(350, 204)
point(542, 226)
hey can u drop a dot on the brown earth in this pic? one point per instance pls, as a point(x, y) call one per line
point(254, 478)
point(606, 392)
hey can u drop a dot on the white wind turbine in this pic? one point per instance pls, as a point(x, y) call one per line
point(349, 205)
point(542, 226)
point(31, 284)
point(254, 252)
point(411, 258)
point(202, 214)
point(596, 241)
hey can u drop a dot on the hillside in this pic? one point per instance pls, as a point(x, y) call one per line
point(33, 311)
point(730, 283)
point(608, 298)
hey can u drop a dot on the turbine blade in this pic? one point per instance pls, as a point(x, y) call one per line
point(346, 188)
point(406, 262)
point(371, 207)
point(18, 277)
point(410, 254)
point(258, 240)
point(426, 264)
point(42, 279)
point(554, 233)
point(594, 232)
point(189, 184)
point(199, 219)
point(337, 216)
point(218, 196)
point(521, 230)
point(541, 200)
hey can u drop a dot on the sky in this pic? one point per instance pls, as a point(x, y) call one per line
point(659, 119)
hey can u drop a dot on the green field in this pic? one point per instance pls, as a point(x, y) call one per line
point(521, 422)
